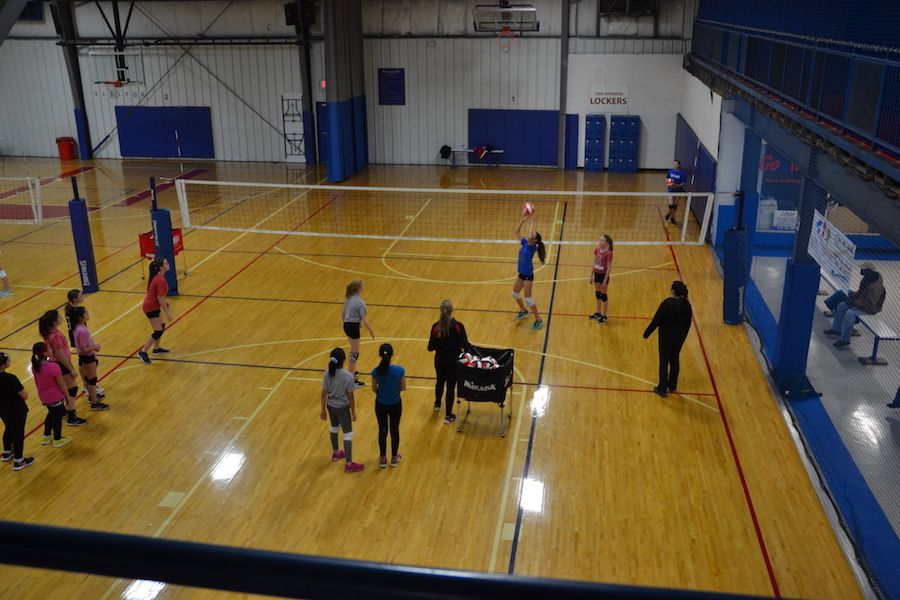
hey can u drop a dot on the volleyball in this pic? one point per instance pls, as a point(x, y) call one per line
point(527, 209)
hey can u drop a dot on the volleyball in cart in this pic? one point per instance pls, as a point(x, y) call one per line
point(485, 375)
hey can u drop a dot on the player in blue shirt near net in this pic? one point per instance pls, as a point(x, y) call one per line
point(675, 180)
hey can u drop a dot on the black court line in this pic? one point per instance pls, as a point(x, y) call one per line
point(518, 530)
point(369, 304)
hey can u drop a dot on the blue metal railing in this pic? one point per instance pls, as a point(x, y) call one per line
point(281, 574)
point(856, 91)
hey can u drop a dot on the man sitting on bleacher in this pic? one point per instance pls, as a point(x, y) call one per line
point(868, 300)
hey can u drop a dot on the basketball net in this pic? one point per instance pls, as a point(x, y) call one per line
point(506, 38)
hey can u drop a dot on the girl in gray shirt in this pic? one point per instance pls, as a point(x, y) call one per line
point(354, 314)
point(338, 405)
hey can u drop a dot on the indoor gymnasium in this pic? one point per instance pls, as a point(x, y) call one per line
point(449, 299)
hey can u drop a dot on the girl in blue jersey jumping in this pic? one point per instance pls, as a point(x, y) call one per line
point(529, 245)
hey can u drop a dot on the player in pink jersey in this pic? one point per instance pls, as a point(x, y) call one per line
point(600, 270)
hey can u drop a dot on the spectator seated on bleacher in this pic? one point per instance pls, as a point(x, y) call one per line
point(868, 300)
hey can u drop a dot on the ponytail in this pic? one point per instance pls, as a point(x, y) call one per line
point(609, 240)
point(154, 270)
point(47, 322)
point(541, 250)
point(353, 288)
point(385, 351)
point(446, 318)
point(37, 356)
point(336, 361)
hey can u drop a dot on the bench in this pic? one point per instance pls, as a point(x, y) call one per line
point(881, 331)
point(493, 156)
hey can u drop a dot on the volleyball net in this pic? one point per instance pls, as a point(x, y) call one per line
point(442, 215)
point(20, 200)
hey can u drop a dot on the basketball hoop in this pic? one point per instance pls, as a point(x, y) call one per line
point(505, 39)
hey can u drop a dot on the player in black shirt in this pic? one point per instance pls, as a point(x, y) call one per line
point(448, 339)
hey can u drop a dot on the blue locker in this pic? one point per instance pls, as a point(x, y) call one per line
point(624, 143)
point(594, 142)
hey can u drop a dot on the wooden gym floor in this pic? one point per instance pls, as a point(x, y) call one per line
point(598, 478)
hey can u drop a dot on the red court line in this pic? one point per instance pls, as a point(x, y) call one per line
point(53, 285)
point(159, 188)
point(46, 181)
point(209, 295)
point(734, 452)
point(77, 171)
point(635, 390)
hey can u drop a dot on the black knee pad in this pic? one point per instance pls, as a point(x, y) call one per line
point(73, 391)
point(603, 297)
point(157, 334)
point(598, 295)
point(92, 381)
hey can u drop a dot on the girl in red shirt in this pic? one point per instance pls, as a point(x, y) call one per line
point(154, 302)
point(603, 258)
point(58, 347)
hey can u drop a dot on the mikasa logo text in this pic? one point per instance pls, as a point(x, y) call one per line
point(479, 388)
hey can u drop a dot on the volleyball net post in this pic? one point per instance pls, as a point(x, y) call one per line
point(164, 247)
point(84, 244)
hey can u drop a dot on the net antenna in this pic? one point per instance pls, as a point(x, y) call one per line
point(505, 17)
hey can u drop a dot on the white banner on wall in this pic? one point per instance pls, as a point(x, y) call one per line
point(832, 250)
point(609, 98)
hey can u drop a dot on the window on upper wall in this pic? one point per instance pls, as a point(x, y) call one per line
point(628, 7)
point(864, 90)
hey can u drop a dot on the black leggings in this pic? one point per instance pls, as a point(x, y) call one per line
point(14, 433)
point(54, 420)
point(446, 374)
point(669, 364)
point(388, 416)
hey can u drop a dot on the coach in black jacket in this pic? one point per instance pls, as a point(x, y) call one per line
point(673, 318)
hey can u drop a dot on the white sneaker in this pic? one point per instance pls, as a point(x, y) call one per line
point(5, 293)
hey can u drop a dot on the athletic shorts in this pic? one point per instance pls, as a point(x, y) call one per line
point(340, 417)
point(526, 277)
point(152, 314)
point(599, 277)
point(352, 330)
point(65, 370)
point(86, 359)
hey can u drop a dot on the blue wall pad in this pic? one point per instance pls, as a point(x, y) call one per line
point(859, 510)
point(322, 130)
point(149, 131)
point(761, 317)
point(798, 305)
point(594, 142)
point(309, 138)
point(527, 137)
point(571, 162)
point(340, 142)
point(360, 143)
point(84, 148)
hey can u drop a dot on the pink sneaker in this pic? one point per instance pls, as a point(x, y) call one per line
point(382, 462)
point(337, 455)
point(353, 467)
point(395, 460)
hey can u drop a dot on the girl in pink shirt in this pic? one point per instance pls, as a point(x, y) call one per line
point(87, 349)
point(61, 353)
point(53, 393)
point(603, 257)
